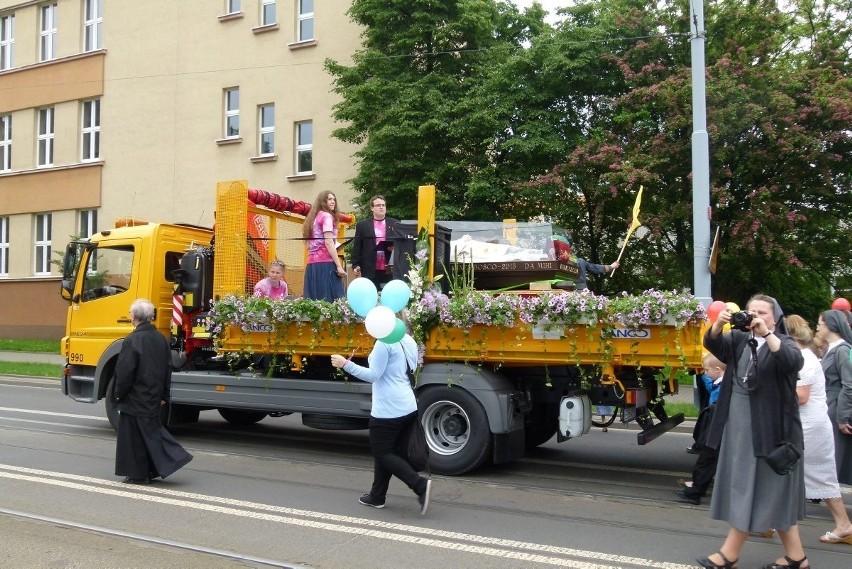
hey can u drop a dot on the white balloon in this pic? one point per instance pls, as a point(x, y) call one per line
point(380, 322)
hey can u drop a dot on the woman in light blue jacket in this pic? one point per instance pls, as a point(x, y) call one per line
point(394, 410)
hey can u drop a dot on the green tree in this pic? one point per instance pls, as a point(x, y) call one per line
point(509, 116)
point(405, 99)
point(778, 99)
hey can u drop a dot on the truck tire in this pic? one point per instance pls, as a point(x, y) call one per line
point(456, 429)
point(536, 434)
point(109, 405)
point(241, 416)
point(334, 422)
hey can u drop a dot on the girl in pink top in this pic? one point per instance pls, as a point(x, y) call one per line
point(323, 273)
point(274, 286)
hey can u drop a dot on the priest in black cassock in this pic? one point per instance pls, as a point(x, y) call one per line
point(144, 448)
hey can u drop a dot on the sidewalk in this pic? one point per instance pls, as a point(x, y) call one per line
point(31, 357)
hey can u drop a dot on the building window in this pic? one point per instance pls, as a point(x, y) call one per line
point(5, 143)
point(91, 129)
point(232, 112)
point(7, 41)
point(306, 20)
point(43, 222)
point(4, 246)
point(232, 6)
point(45, 137)
point(304, 147)
point(266, 120)
point(88, 223)
point(93, 24)
point(48, 32)
point(267, 12)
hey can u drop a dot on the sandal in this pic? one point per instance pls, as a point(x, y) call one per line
point(830, 537)
point(708, 563)
point(791, 564)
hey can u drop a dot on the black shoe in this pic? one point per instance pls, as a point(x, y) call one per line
point(791, 563)
point(708, 563)
point(368, 500)
point(694, 449)
point(130, 480)
point(425, 497)
point(687, 498)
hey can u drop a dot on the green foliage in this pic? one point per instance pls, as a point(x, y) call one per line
point(511, 117)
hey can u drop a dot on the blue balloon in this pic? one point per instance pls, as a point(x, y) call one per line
point(362, 296)
point(399, 331)
point(395, 295)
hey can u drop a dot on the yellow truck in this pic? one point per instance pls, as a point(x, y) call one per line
point(502, 371)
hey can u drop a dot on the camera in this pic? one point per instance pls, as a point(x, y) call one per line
point(741, 320)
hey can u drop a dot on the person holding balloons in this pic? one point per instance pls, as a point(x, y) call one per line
point(394, 407)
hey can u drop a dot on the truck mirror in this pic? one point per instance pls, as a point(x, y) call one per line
point(67, 289)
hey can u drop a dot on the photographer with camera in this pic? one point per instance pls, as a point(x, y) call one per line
point(757, 410)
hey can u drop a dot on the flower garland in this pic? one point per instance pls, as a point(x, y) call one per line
point(429, 307)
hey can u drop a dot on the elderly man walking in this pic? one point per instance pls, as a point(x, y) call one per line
point(144, 448)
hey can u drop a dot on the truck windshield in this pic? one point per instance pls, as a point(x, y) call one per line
point(108, 272)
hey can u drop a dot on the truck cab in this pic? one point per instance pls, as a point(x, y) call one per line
point(101, 278)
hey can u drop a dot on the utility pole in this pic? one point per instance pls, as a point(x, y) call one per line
point(700, 159)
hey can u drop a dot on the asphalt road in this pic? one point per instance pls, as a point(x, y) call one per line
point(279, 494)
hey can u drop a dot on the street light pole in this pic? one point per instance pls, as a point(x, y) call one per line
point(700, 159)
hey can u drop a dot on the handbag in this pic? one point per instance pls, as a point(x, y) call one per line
point(783, 458)
point(417, 450)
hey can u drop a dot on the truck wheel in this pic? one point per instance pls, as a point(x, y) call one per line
point(456, 429)
point(536, 434)
point(241, 416)
point(109, 405)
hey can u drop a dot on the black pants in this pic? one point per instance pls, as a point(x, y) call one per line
point(389, 449)
point(703, 472)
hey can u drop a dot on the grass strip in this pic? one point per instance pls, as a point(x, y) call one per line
point(31, 369)
point(25, 345)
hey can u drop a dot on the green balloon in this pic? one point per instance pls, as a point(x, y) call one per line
point(399, 331)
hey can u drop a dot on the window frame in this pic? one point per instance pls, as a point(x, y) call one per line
point(6, 143)
point(302, 147)
point(303, 17)
point(231, 113)
point(93, 19)
point(4, 245)
point(233, 7)
point(265, 132)
point(42, 243)
point(7, 41)
point(90, 136)
point(47, 30)
point(87, 223)
point(45, 140)
point(264, 4)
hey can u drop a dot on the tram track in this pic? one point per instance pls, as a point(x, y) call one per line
point(283, 448)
